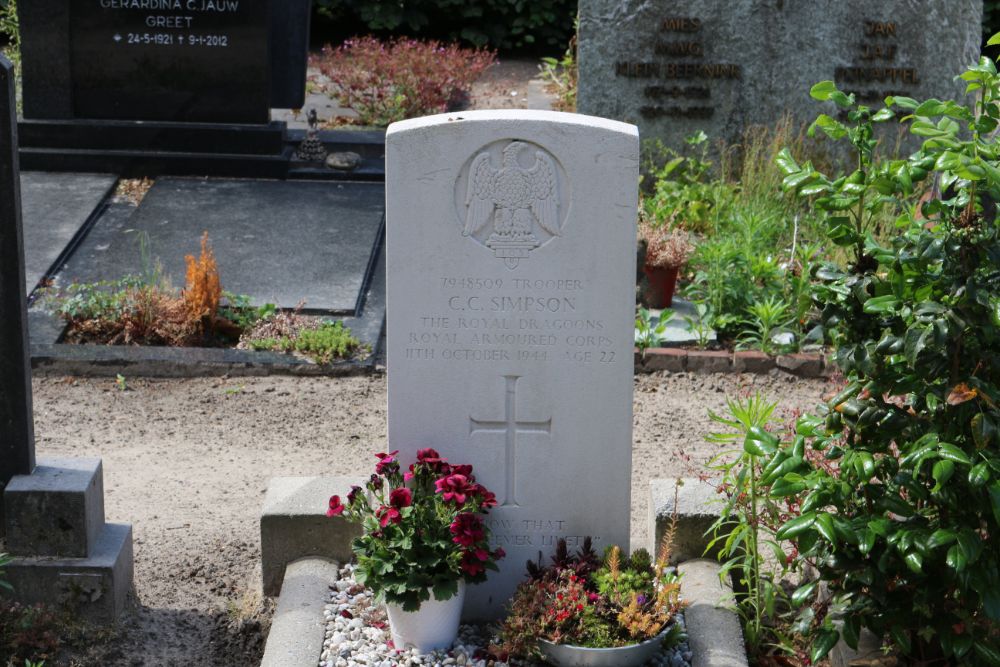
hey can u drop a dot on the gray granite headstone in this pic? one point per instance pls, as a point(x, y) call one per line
point(17, 445)
point(511, 269)
point(678, 67)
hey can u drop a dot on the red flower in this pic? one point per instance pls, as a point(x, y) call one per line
point(488, 499)
point(471, 565)
point(454, 487)
point(499, 553)
point(467, 529)
point(400, 498)
point(336, 507)
point(387, 515)
point(386, 462)
point(353, 495)
point(430, 458)
point(463, 469)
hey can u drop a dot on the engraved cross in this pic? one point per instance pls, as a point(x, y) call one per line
point(511, 428)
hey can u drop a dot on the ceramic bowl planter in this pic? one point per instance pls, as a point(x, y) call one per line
point(434, 626)
point(634, 655)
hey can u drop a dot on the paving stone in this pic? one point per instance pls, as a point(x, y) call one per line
point(55, 208)
point(697, 507)
point(752, 361)
point(801, 364)
point(665, 359)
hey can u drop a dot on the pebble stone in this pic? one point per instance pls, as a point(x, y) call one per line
point(357, 635)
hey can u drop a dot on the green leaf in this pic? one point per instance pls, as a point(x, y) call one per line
point(953, 453)
point(824, 524)
point(956, 559)
point(759, 442)
point(796, 526)
point(994, 40)
point(979, 475)
point(822, 90)
point(914, 561)
point(942, 472)
point(986, 651)
point(803, 594)
point(822, 645)
point(881, 304)
point(995, 500)
point(851, 630)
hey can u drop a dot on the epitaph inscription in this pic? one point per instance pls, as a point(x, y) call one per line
point(516, 362)
point(184, 60)
point(692, 66)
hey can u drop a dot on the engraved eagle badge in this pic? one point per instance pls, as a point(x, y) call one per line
point(521, 198)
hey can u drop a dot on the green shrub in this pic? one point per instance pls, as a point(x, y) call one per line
point(385, 82)
point(900, 505)
point(502, 24)
point(328, 342)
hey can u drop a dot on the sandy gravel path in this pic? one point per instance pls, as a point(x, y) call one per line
point(187, 463)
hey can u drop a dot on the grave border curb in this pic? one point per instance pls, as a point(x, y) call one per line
point(171, 362)
point(681, 360)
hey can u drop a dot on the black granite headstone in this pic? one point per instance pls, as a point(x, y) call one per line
point(170, 60)
point(208, 61)
point(17, 445)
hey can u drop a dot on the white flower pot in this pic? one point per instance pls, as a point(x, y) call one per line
point(433, 626)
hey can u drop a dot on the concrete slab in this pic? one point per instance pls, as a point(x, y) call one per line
point(94, 588)
point(275, 241)
point(55, 207)
point(697, 507)
point(679, 328)
point(294, 525)
point(57, 511)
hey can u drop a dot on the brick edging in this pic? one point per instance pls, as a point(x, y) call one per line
point(679, 360)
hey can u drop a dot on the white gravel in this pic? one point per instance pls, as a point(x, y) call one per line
point(357, 635)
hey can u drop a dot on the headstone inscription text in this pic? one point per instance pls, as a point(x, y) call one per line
point(689, 65)
point(509, 289)
point(174, 60)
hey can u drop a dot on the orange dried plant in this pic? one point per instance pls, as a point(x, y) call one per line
point(203, 290)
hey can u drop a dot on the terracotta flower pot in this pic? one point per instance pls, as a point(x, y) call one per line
point(662, 284)
point(434, 626)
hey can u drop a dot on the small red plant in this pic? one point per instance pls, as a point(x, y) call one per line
point(388, 81)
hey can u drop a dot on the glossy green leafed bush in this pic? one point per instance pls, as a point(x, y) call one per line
point(900, 491)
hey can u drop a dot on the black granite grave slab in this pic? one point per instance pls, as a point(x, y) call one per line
point(275, 241)
point(55, 209)
point(17, 442)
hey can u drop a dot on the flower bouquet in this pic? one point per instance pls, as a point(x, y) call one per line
point(616, 610)
point(424, 537)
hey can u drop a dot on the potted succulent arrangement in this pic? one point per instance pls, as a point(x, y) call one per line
point(667, 251)
point(424, 539)
point(584, 610)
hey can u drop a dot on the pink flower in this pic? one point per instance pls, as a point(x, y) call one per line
point(400, 498)
point(467, 529)
point(387, 515)
point(336, 507)
point(386, 462)
point(454, 488)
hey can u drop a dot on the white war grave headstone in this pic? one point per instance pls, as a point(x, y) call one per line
point(511, 276)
